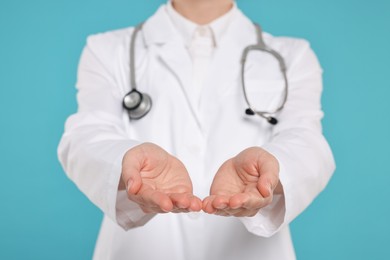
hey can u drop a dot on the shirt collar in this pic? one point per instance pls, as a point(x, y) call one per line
point(186, 27)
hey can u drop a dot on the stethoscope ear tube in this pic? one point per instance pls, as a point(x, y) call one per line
point(260, 46)
point(272, 120)
point(136, 103)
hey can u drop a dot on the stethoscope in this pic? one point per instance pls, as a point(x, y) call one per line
point(139, 104)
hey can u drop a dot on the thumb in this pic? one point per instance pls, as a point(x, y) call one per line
point(268, 167)
point(131, 168)
point(134, 183)
point(265, 187)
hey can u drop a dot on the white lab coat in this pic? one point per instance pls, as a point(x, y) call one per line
point(202, 132)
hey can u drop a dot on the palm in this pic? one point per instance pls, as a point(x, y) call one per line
point(157, 181)
point(169, 177)
point(243, 184)
point(230, 181)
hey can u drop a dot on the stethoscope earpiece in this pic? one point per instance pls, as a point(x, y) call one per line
point(249, 112)
point(270, 119)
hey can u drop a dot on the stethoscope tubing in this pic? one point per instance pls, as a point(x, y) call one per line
point(260, 46)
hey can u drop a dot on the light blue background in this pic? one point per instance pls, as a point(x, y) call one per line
point(44, 216)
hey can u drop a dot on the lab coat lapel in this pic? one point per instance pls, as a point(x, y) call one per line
point(225, 69)
point(172, 54)
point(176, 58)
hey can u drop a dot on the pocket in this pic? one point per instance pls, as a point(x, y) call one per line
point(263, 95)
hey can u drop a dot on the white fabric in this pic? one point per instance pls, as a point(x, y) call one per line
point(202, 132)
point(201, 40)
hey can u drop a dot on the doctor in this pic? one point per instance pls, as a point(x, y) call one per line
point(196, 177)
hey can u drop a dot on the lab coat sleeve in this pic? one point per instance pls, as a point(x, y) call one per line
point(305, 158)
point(95, 138)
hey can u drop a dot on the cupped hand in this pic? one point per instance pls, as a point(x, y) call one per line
point(157, 181)
point(243, 184)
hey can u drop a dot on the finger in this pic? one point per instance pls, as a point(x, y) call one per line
point(220, 201)
point(136, 198)
point(134, 183)
point(179, 210)
point(265, 186)
point(254, 202)
point(141, 197)
point(222, 213)
point(249, 200)
point(232, 212)
point(207, 205)
point(238, 200)
point(131, 168)
point(180, 200)
point(269, 174)
point(146, 204)
point(195, 204)
point(157, 199)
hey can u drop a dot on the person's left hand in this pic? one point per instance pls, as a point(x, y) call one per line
point(243, 184)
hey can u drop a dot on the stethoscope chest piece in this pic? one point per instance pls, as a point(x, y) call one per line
point(137, 104)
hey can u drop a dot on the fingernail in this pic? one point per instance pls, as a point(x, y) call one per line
point(129, 183)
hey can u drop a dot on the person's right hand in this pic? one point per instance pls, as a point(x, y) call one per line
point(157, 181)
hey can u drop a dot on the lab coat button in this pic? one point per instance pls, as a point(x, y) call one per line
point(203, 31)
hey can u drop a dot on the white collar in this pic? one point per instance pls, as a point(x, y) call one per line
point(159, 29)
point(187, 28)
